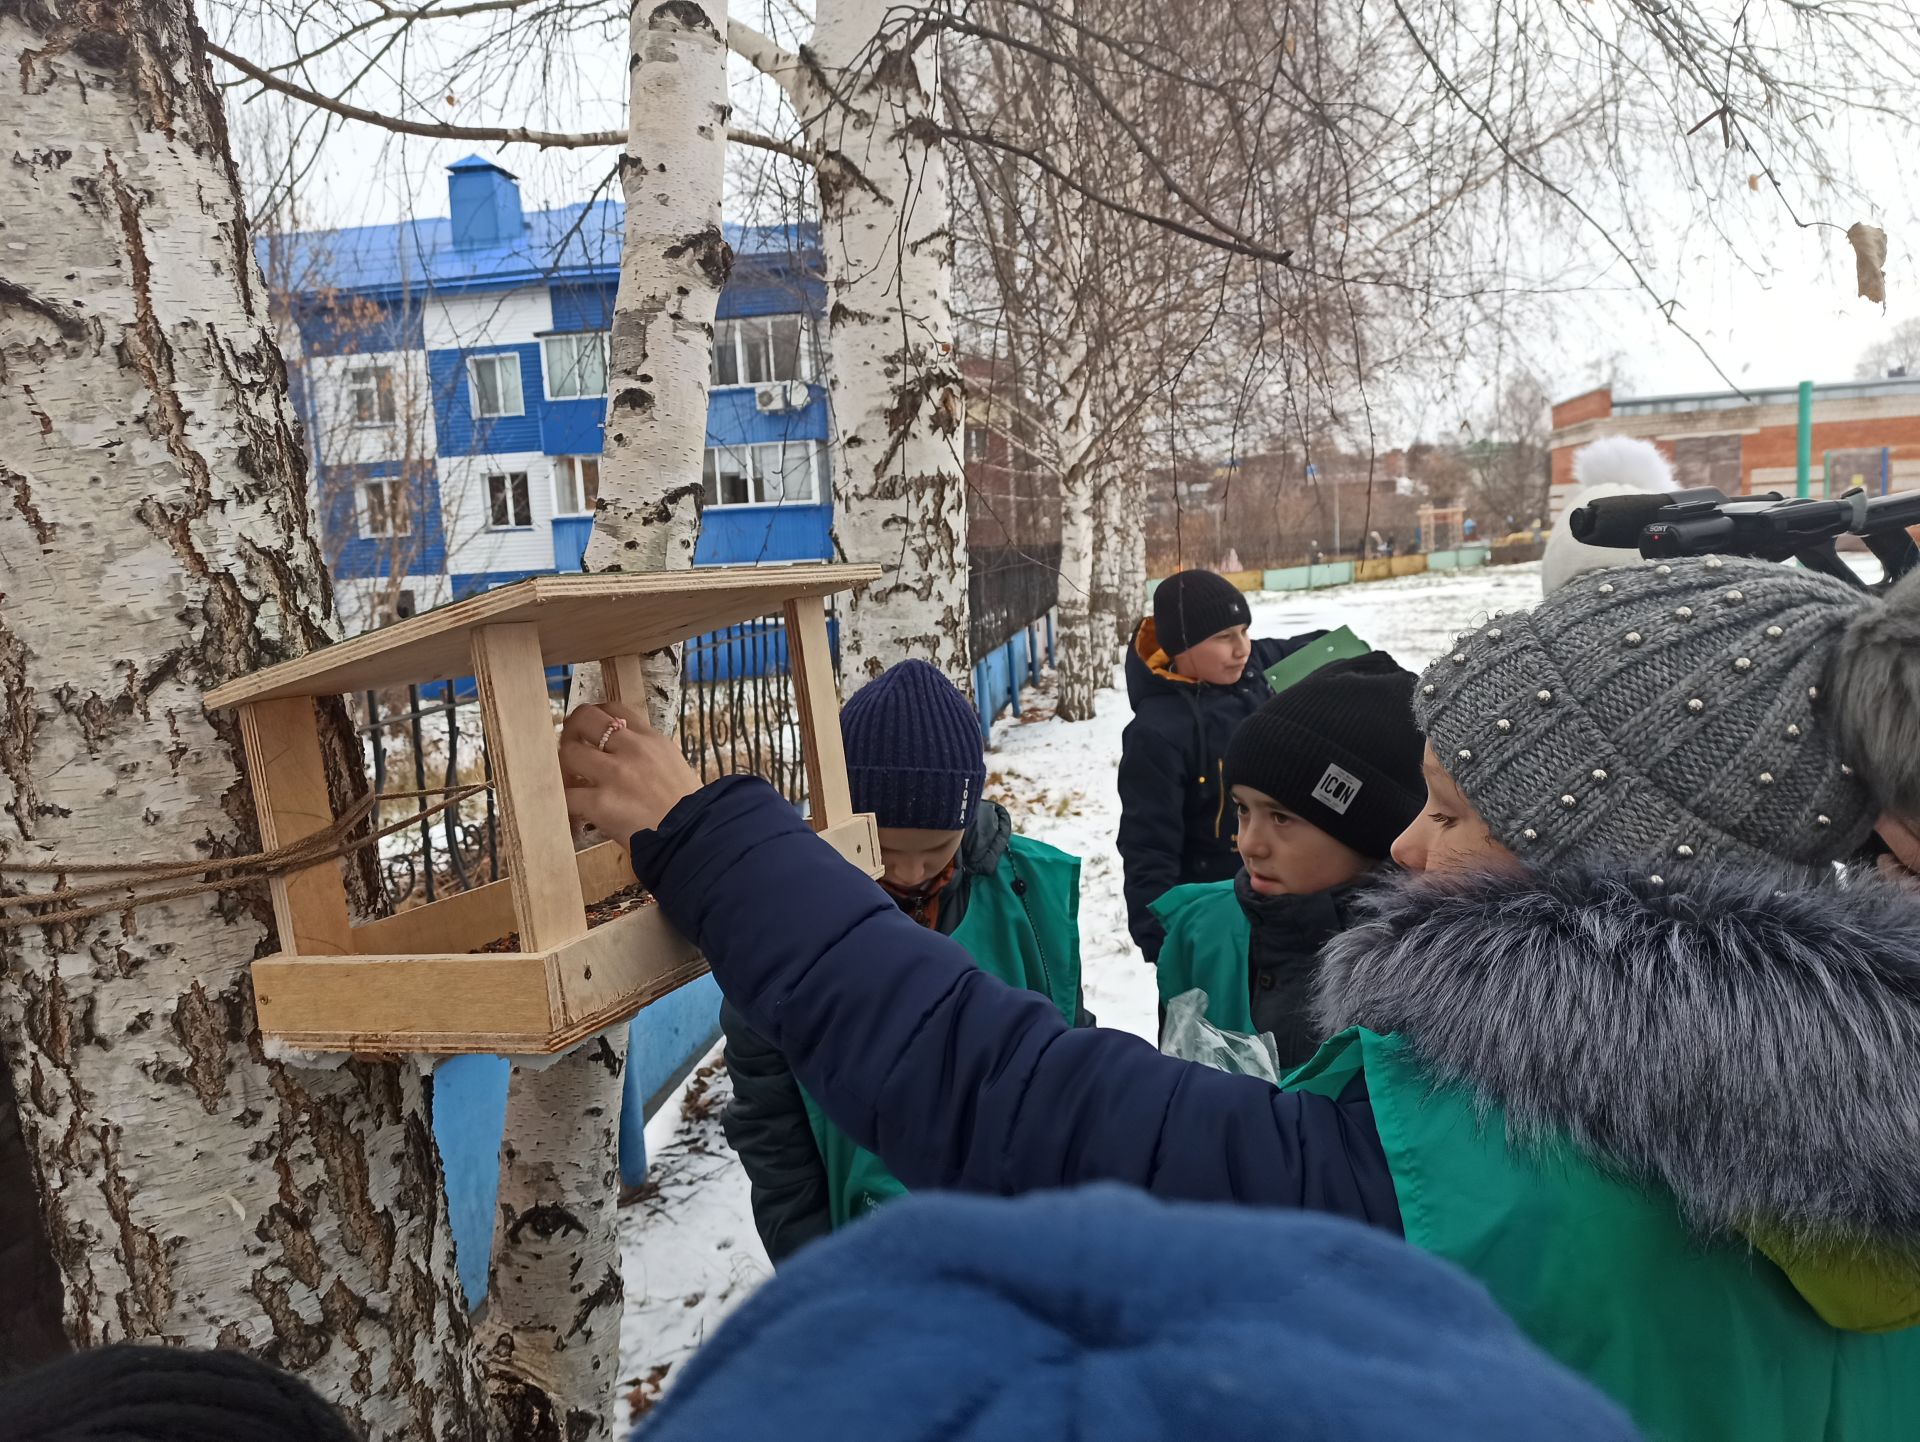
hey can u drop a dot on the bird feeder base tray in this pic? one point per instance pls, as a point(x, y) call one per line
point(386, 1000)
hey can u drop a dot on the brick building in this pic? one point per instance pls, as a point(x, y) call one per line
point(1865, 433)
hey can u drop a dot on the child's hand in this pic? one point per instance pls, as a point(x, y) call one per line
point(622, 776)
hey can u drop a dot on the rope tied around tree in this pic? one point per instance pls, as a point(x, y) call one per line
point(228, 873)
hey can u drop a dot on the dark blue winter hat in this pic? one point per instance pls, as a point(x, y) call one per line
point(914, 757)
point(1104, 1313)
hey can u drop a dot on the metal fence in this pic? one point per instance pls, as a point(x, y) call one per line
point(736, 715)
point(1008, 589)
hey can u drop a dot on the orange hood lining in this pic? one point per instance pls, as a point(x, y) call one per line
point(1146, 645)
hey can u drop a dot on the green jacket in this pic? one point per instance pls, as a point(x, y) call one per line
point(1677, 1137)
point(1022, 925)
point(1206, 947)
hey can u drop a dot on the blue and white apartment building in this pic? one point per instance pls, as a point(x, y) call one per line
point(453, 379)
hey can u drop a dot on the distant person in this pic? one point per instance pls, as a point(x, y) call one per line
point(1101, 1313)
point(1193, 675)
point(1322, 779)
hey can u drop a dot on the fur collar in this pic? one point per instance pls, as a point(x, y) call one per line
point(1749, 1042)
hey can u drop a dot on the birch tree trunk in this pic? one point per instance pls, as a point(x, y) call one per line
point(551, 1339)
point(674, 261)
point(1114, 611)
point(155, 541)
point(1130, 569)
point(1077, 652)
point(1077, 656)
point(867, 93)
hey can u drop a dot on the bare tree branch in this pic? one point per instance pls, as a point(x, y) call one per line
point(484, 134)
point(781, 66)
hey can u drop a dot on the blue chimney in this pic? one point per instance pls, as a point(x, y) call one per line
point(485, 201)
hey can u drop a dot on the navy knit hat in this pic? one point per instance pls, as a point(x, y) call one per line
point(1106, 1313)
point(1190, 606)
point(914, 757)
point(1339, 748)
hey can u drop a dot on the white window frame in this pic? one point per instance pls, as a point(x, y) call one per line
point(755, 485)
point(473, 385)
point(398, 504)
point(548, 369)
point(486, 481)
point(731, 331)
point(386, 405)
point(985, 435)
point(560, 464)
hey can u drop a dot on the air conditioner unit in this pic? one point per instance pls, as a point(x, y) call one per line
point(781, 396)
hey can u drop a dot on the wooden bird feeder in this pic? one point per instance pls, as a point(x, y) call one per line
point(414, 981)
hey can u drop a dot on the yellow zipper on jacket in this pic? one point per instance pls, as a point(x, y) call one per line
point(1220, 811)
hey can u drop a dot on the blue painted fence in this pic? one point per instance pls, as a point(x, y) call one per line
point(999, 675)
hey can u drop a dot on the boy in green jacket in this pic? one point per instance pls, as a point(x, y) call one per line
point(1322, 778)
point(953, 863)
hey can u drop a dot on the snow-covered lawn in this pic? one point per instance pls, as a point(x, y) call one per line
point(689, 1248)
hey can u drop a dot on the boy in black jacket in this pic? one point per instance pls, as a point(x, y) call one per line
point(1193, 675)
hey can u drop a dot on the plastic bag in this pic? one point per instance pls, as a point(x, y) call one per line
point(1188, 1035)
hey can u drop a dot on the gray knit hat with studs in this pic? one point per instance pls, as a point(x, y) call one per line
point(1661, 715)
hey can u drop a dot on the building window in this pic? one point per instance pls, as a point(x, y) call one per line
point(372, 390)
point(496, 385)
point(765, 348)
point(509, 504)
point(768, 475)
point(979, 438)
point(576, 365)
point(576, 484)
point(385, 510)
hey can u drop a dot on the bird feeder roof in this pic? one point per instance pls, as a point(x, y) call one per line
point(580, 618)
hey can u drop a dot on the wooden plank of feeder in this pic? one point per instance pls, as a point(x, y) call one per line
point(513, 1003)
point(534, 833)
point(405, 1003)
point(858, 839)
point(290, 797)
point(624, 680)
point(580, 618)
point(810, 663)
point(607, 974)
point(470, 919)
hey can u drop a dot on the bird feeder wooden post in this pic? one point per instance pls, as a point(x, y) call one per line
point(416, 981)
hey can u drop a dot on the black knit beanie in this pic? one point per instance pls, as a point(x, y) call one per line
point(164, 1394)
point(1190, 606)
point(1339, 748)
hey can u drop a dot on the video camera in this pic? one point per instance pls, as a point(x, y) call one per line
point(1666, 524)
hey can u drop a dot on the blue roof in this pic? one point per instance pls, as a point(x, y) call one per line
point(571, 243)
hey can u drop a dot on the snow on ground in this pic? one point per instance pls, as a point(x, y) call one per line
point(689, 1251)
